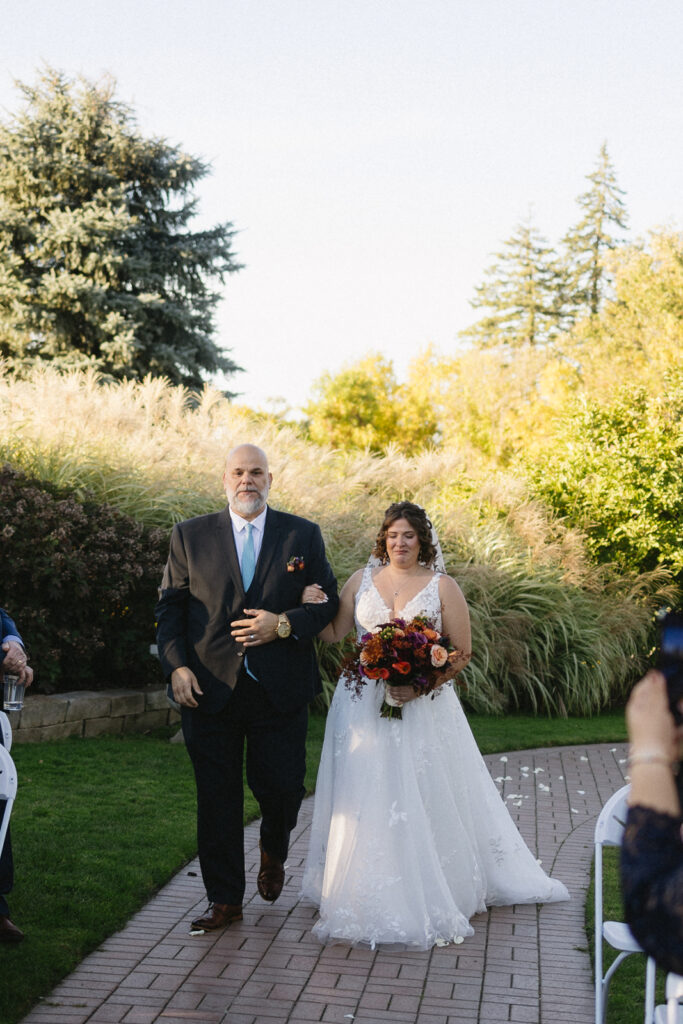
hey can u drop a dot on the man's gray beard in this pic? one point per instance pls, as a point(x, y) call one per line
point(246, 503)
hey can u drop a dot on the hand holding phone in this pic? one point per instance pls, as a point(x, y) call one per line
point(670, 660)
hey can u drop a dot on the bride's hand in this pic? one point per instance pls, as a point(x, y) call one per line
point(403, 693)
point(314, 594)
point(455, 664)
point(446, 674)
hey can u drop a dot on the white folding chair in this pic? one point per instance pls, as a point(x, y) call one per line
point(6, 730)
point(672, 1013)
point(608, 832)
point(8, 790)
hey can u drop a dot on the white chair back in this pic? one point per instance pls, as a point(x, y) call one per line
point(674, 993)
point(8, 790)
point(609, 830)
point(610, 824)
point(6, 730)
point(672, 1013)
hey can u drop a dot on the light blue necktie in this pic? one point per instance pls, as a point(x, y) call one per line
point(248, 558)
point(248, 567)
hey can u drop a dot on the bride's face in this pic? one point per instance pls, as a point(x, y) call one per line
point(403, 544)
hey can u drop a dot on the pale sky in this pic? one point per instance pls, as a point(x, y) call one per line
point(373, 154)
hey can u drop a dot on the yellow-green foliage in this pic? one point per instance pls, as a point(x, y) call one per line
point(364, 406)
point(551, 632)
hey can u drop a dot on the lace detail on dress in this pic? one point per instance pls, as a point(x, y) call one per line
point(371, 609)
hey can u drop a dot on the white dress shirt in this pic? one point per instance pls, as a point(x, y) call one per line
point(239, 532)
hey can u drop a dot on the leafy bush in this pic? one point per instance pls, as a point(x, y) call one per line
point(615, 471)
point(80, 580)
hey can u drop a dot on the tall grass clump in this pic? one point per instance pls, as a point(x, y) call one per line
point(551, 632)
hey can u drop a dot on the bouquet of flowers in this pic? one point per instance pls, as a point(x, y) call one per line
point(400, 653)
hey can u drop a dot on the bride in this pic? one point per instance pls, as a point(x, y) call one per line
point(410, 837)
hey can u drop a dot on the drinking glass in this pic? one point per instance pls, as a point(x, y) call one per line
point(14, 693)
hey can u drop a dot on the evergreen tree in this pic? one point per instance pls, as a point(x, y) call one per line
point(587, 243)
point(98, 265)
point(524, 291)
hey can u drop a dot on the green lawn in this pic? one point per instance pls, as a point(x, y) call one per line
point(523, 732)
point(99, 825)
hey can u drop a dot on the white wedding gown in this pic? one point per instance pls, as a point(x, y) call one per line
point(410, 836)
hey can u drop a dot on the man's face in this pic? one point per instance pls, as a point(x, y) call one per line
point(247, 481)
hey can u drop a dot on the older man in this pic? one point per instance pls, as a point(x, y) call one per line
point(13, 660)
point(237, 645)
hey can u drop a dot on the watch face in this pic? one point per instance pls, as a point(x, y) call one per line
point(283, 628)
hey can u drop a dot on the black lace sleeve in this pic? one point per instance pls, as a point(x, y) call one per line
point(652, 884)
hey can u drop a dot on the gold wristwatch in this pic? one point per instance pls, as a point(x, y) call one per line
point(284, 626)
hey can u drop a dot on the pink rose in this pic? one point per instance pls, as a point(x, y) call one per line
point(438, 656)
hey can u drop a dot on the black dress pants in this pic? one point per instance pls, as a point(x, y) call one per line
point(276, 765)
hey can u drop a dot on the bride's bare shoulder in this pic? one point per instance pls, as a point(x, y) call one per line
point(354, 581)
point(449, 588)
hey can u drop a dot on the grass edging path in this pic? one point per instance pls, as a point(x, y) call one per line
point(99, 825)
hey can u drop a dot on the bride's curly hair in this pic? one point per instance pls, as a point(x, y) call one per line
point(420, 522)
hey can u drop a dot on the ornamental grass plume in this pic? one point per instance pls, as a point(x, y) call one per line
point(552, 633)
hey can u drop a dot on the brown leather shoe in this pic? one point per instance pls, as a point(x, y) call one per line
point(9, 932)
point(271, 877)
point(218, 915)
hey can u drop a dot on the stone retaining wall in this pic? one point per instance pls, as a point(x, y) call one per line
point(90, 713)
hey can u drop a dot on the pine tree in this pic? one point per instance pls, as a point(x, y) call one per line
point(524, 291)
point(98, 265)
point(587, 243)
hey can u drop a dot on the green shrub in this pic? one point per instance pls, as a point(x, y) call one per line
point(80, 580)
point(615, 471)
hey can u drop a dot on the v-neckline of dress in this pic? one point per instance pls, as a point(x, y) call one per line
point(399, 614)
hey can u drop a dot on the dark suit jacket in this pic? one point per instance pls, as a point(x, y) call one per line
point(7, 628)
point(202, 594)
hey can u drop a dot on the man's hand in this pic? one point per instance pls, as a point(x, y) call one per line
point(183, 682)
point(15, 662)
point(259, 628)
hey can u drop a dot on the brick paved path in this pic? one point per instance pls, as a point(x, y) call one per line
point(526, 963)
